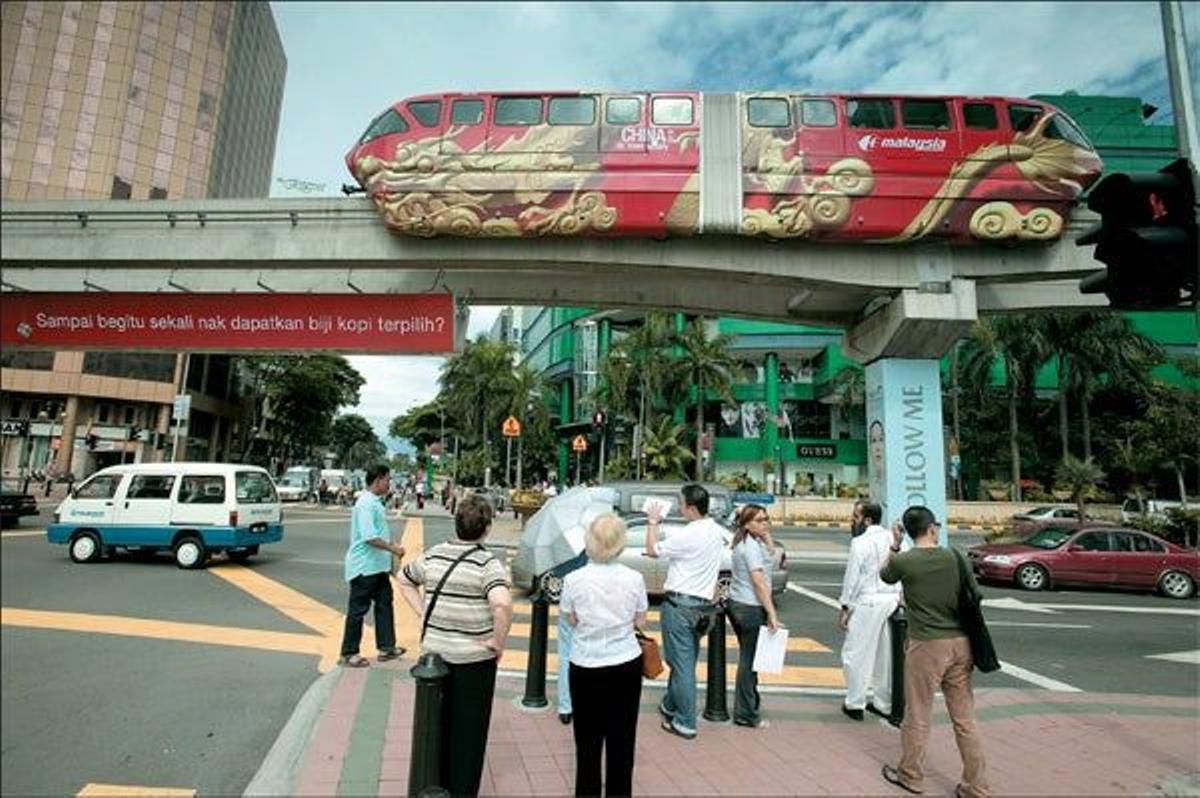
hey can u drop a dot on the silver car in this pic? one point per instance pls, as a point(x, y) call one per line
point(653, 569)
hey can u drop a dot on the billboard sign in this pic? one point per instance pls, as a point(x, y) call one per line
point(370, 323)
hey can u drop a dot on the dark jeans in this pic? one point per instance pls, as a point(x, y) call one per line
point(467, 714)
point(364, 591)
point(746, 620)
point(606, 702)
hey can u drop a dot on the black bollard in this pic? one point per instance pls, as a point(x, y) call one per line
point(25, 486)
point(49, 482)
point(425, 766)
point(715, 706)
point(898, 626)
point(535, 671)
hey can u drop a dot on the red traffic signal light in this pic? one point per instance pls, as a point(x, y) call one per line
point(1146, 238)
point(599, 418)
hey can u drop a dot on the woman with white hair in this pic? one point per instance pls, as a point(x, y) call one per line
point(604, 601)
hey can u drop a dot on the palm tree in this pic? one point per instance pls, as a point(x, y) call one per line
point(646, 350)
point(709, 366)
point(477, 387)
point(1080, 477)
point(527, 387)
point(1007, 340)
point(665, 453)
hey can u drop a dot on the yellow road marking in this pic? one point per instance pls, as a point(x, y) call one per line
point(797, 644)
point(30, 534)
point(794, 675)
point(408, 625)
point(132, 791)
point(162, 630)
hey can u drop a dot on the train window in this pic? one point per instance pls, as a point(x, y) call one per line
point(427, 112)
point(1022, 117)
point(518, 111)
point(466, 112)
point(1059, 127)
point(572, 111)
point(925, 114)
point(818, 113)
point(386, 123)
point(768, 112)
point(980, 116)
point(671, 110)
point(623, 111)
point(874, 114)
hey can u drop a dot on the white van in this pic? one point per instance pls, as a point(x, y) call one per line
point(1155, 508)
point(190, 509)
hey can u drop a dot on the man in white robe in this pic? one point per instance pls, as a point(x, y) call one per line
point(866, 603)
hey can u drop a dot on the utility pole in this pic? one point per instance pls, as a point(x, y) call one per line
point(179, 421)
point(1179, 75)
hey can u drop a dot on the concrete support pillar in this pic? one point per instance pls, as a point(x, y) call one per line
point(770, 430)
point(905, 451)
point(604, 341)
point(566, 415)
point(66, 443)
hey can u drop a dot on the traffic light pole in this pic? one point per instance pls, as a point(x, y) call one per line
point(1179, 75)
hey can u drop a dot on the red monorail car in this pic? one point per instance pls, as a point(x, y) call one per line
point(776, 165)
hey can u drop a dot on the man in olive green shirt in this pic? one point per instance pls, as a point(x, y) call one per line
point(938, 654)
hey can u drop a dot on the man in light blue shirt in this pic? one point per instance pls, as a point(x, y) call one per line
point(368, 570)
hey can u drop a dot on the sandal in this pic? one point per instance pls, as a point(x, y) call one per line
point(890, 774)
point(354, 661)
point(391, 653)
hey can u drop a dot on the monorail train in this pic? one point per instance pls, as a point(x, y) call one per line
point(827, 168)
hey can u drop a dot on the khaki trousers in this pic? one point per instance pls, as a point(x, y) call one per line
point(945, 664)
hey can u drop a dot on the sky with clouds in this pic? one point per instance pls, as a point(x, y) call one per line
point(348, 61)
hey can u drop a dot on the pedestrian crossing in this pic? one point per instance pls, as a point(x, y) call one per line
point(809, 662)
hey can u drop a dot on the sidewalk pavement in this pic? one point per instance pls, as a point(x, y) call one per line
point(352, 735)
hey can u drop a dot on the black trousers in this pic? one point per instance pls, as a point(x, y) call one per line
point(466, 716)
point(605, 703)
point(746, 619)
point(364, 591)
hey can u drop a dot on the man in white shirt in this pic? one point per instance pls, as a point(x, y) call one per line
point(693, 562)
point(867, 601)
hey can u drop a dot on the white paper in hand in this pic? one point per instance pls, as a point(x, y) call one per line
point(770, 651)
point(656, 506)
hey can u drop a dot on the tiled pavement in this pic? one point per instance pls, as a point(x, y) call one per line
point(1037, 743)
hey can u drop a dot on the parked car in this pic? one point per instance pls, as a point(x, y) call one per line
point(190, 509)
point(15, 503)
point(1098, 556)
point(1152, 508)
point(653, 569)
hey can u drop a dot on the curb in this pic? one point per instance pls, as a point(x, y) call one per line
point(281, 766)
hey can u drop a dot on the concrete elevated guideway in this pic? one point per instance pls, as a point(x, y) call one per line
point(880, 294)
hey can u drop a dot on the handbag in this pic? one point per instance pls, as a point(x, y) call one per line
point(970, 615)
point(652, 664)
point(437, 591)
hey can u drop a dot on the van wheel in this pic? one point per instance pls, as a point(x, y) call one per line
point(241, 555)
point(190, 553)
point(1176, 585)
point(85, 547)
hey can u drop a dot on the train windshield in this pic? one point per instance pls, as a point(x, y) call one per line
point(387, 122)
point(1060, 127)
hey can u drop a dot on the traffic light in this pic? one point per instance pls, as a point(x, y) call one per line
point(1146, 238)
point(598, 419)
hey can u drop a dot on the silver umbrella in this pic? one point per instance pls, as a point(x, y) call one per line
point(554, 534)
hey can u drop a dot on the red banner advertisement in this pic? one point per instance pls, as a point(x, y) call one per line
point(403, 324)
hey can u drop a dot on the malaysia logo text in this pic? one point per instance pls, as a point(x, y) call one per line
point(871, 141)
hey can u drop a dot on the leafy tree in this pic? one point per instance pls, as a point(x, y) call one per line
point(1081, 478)
point(477, 388)
point(1169, 430)
point(347, 431)
point(421, 425)
point(365, 453)
point(526, 403)
point(300, 396)
point(647, 352)
point(709, 366)
point(665, 452)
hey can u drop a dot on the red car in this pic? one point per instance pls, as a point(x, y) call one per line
point(1097, 555)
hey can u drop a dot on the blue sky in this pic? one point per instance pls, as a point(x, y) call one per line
point(348, 61)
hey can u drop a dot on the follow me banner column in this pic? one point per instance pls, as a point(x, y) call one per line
point(905, 452)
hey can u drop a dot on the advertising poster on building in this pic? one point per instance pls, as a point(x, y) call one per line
point(408, 324)
point(905, 451)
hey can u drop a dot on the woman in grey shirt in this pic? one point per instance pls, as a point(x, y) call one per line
point(750, 606)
